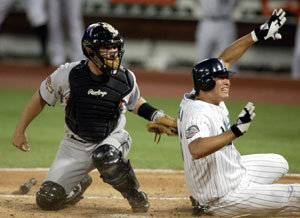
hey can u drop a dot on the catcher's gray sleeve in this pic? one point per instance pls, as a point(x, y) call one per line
point(56, 86)
point(132, 98)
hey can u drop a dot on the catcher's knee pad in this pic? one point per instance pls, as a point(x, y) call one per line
point(51, 196)
point(114, 169)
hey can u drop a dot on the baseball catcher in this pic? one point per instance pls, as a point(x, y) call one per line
point(96, 93)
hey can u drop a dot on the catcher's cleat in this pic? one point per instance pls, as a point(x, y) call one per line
point(76, 194)
point(138, 201)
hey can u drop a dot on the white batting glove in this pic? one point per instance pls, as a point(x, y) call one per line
point(244, 120)
point(271, 27)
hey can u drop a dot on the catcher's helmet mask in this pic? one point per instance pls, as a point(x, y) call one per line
point(103, 35)
point(205, 72)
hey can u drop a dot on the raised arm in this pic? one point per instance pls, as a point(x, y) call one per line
point(33, 108)
point(232, 53)
point(265, 31)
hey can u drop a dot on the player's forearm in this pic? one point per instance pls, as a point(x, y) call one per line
point(33, 108)
point(202, 147)
point(231, 54)
point(147, 111)
point(138, 105)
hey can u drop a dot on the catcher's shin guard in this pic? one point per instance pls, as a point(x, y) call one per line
point(51, 196)
point(118, 172)
point(76, 194)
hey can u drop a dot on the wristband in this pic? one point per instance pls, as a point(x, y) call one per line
point(147, 111)
point(236, 131)
point(254, 37)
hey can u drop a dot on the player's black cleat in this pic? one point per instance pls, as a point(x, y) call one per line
point(78, 190)
point(198, 210)
point(138, 201)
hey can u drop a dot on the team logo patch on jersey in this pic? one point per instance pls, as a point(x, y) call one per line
point(49, 85)
point(191, 131)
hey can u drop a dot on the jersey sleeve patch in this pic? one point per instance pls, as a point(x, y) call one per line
point(191, 131)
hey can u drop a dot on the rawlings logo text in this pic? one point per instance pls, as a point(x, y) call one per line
point(99, 92)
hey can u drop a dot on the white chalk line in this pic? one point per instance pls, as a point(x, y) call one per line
point(125, 215)
point(105, 197)
point(136, 170)
point(99, 197)
point(95, 170)
point(110, 197)
point(115, 197)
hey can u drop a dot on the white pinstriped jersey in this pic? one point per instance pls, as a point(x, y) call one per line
point(210, 177)
point(231, 185)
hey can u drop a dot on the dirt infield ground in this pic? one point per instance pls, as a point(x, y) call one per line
point(166, 190)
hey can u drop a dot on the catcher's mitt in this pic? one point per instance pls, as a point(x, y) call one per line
point(163, 125)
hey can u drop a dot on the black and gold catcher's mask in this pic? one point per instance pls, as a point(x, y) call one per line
point(103, 35)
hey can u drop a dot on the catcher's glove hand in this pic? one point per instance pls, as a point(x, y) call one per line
point(163, 124)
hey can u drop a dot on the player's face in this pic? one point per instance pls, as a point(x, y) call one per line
point(110, 56)
point(222, 87)
point(109, 52)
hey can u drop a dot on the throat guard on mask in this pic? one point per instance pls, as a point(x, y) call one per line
point(93, 109)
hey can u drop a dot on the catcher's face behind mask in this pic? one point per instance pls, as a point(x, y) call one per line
point(110, 55)
point(103, 45)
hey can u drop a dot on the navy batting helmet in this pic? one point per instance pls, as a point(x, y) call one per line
point(102, 35)
point(204, 73)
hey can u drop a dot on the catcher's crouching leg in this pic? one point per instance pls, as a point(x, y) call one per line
point(76, 194)
point(116, 171)
point(51, 196)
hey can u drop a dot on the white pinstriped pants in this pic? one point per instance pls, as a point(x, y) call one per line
point(257, 196)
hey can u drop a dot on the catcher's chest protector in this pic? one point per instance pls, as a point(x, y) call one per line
point(93, 108)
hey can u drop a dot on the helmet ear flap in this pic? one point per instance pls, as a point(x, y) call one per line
point(207, 82)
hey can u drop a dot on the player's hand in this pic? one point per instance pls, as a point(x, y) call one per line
point(162, 124)
point(244, 120)
point(20, 141)
point(271, 27)
point(157, 114)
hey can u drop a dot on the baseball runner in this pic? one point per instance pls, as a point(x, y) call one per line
point(96, 94)
point(220, 181)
